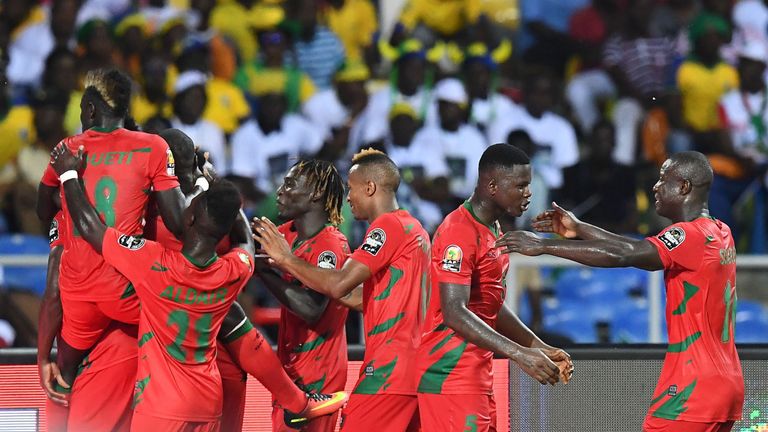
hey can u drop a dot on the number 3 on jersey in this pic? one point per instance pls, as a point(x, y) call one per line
point(180, 318)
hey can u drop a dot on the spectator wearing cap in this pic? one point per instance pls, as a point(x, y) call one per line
point(339, 113)
point(226, 105)
point(354, 22)
point(430, 20)
point(553, 136)
point(739, 160)
point(453, 140)
point(25, 25)
point(266, 145)
point(319, 51)
point(153, 96)
point(130, 37)
point(94, 46)
point(481, 77)
point(189, 103)
point(271, 67)
point(232, 20)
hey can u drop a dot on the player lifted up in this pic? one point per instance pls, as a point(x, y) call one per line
point(393, 266)
point(701, 387)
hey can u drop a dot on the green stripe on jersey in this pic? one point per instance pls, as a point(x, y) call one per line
point(433, 379)
point(675, 405)
point(310, 345)
point(371, 384)
point(129, 291)
point(394, 275)
point(690, 291)
point(314, 386)
point(386, 325)
point(441, 343)
point(145, 338)
point(685, 344)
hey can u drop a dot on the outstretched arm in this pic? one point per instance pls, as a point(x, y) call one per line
point(333, 283)
point(564, 223)
point(453, 301)
point(613, 252)
point(307, 304)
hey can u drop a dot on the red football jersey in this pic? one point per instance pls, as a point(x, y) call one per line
point(701, 380)
point(182, 307)
point(463, 253)
point(316, 356)
point(121, 168)
point(396, 250)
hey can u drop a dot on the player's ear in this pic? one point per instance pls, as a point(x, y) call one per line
point(492, 185)
point(370, 188)
point(685, 187)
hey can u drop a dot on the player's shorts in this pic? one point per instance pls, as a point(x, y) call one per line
point(233, 383)
point(457, 413)
point(55, 416)
point(655, 424)
point(102, 399)
point(143, 422)
point(321, 424)
point(381, 413)
point(84, 322)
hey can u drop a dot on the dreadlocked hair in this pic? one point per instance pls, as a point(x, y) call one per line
point(325, 180)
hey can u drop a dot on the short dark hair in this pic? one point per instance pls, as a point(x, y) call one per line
point(111, 91)
point(385, 169)
point(694, 167)
point(222, 204)
point(502, 156)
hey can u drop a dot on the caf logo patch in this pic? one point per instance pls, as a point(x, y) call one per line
point(452, 258)
point(53, 232)
point(131, 242)
point(672, 237)
point(374, 241)
point(327, 260)
point(170, 166)
point(244, 258)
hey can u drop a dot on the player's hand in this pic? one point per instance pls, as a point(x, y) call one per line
point(208, 170)
point(563, 361)
point(558, 220)
point(522, 242)
point(537, 364)
point(272, 241)
point(49, 374)
point(64, 160)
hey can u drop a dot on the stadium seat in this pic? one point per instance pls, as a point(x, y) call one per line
point(24, 277)
point(574, 327)
point(751, 331)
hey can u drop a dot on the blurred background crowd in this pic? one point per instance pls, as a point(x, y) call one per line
point(598, 93)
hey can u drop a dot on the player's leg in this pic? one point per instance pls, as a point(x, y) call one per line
point(449, 413)
point(233, 385)
point(81, 327)
point(382, 413)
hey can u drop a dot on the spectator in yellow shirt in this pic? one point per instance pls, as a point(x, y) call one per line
point(446, 18)
point(153, 98)
point(15, 130)
point(354, 22)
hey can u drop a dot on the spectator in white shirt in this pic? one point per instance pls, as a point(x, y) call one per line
point(554, 136)
point(188, 107)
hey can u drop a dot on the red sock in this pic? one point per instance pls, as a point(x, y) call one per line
point(256, 357)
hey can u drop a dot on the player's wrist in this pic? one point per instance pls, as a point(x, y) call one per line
point(68, 175)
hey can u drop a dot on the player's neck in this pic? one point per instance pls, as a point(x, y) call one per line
point(382, 206)
point(310, 223)
point(483, 209)
point(692, 212)
point(198, 248)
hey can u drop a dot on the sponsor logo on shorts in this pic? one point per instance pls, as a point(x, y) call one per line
point(672, 237)
point(452, 257)
point(327, 260)
point(131, 242)
point(374, 241)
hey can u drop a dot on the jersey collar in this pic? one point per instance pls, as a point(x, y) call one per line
point(494, 229)
point(103, 129)
point(210, 261)
point(298, 243)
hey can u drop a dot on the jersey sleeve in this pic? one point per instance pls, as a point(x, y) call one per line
point(162, 167)
point(680, 246)
point(329, 253)
point(454, 252)
point(384, 237)
point(50, 178)
point(132, 256)
point(242, 263)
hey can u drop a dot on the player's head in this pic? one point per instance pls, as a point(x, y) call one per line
point(373, 176)
point(213, 212)
point(183, 150)
point(684, 179)
point(107, 96)
point(311, 185)
point(504, 178)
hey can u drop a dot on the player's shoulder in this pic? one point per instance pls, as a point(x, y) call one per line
point(458, 224)
point(681, 233)
point(239, 258)
point(286, 227)
point(332, 236)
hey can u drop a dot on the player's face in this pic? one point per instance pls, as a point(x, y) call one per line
point(293, 196)
point(86, 113)
point(357, 193)
point(513, 193)
point(666, 190)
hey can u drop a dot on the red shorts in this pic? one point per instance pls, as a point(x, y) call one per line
point(56, 416)
point(233, 384)
point(143, 422)
point(84, 322)
point(381, 413)
point(320, 424)
point(102, 399)
point(457, 413)
point(655, 424)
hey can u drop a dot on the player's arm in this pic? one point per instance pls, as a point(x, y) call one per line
point(564, 223)
point(332, 283)
point(307, 304)
point(612, 252)
point(456, 315)
point(353, 299)
point(49, 325)
point(48, 203)
point(171, 204)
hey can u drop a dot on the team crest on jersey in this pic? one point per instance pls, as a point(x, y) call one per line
point(672, 237)
point(131, 242)
point(244, 258)
point(327, 260)
point(452, 258)
point(374, 241)
point(170, 166)
point(53, 232)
